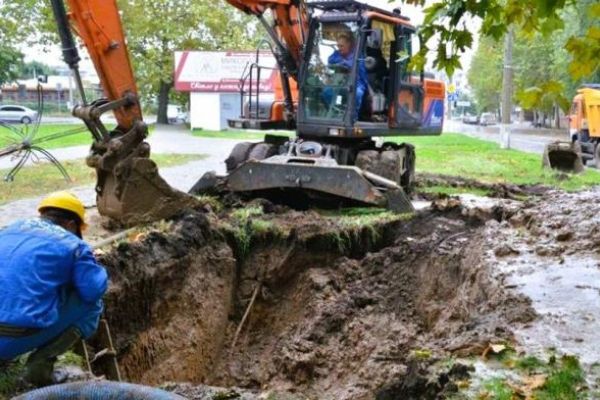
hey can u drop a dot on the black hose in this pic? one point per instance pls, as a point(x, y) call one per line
point(69, 50)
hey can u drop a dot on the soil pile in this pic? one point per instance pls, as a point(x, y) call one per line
point(340, 312)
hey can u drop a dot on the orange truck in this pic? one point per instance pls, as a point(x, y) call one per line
point(584, 121)
point(584, 132)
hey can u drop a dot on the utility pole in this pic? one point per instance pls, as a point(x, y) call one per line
point(507, 90)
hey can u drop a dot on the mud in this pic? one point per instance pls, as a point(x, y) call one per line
point(549, 251)
point(495, 190)
point(342, 311)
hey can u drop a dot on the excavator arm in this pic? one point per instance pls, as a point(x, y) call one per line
point(129, 188)
point(288, 30)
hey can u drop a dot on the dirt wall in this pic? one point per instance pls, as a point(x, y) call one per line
point(340, 313)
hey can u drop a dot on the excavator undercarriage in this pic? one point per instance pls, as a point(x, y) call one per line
point(301, 172)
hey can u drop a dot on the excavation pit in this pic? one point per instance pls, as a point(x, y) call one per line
point(341, 306)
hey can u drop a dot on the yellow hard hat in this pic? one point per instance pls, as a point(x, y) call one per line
point(65, 201)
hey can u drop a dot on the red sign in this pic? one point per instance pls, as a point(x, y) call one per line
point(221, 72)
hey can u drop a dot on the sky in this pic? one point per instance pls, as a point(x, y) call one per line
point(52, 55)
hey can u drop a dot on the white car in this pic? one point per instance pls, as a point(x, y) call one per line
point(487, 118)
point(14, 113)
point(470, 119)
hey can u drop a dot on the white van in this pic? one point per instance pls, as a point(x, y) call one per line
point(175, 114)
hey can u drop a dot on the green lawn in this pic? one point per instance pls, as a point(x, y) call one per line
point(459, 155)
point(454, 154)
point(79, 135)
point(45, 178)
point(239, 134)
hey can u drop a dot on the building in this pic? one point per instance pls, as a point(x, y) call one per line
point(214, 81)
point(56, 89)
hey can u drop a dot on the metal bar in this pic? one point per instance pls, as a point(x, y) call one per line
point(380, 180)
point(111, 239)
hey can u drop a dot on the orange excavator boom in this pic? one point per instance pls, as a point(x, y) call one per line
point(129, 188)
point(288, 31)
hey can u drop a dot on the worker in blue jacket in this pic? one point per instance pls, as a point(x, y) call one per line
point(344, 57)
point(51, 284)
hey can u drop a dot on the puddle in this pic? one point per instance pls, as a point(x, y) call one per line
point(567, 298)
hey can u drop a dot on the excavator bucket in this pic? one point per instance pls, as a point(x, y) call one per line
point(129, 188)
point(563, 156)
point(140, 196)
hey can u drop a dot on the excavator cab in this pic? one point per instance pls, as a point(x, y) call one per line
point(355, 79)
point(350, 79)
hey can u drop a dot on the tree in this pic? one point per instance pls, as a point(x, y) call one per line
point(542, 79)
point(445, 22)
point(485, 75)
point(32, 69)
point(538, 83)
point(156, 29)
point(11, 58)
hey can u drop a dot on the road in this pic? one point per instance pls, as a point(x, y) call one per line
point(529, 142)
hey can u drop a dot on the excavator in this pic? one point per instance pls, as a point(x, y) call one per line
point(335, 157)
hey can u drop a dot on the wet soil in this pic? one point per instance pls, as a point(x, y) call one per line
point(549, 251)
point(341, 311)
point(495, 190)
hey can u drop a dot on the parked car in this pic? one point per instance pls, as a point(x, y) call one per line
point(14, 113)
point(487, 118)
point(470, 119)
point(176, 114)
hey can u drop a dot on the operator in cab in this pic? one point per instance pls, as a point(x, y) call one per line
point(343, 58)
point(52, 286)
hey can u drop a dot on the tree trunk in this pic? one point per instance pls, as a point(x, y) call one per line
point(557, 117)
point(163, 102)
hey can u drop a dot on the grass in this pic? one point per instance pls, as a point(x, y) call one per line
point(497, 389)
point(9, 378)
point(352, 222)
point(562, 379)
point(239, 134)
point(81, 136)
point(449, 190)
point(39, 179)
point(459, 155)
point(359, 217)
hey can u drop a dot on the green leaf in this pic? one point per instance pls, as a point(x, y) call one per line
point(551, 24)
point(594, 10)
point(593, 33)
